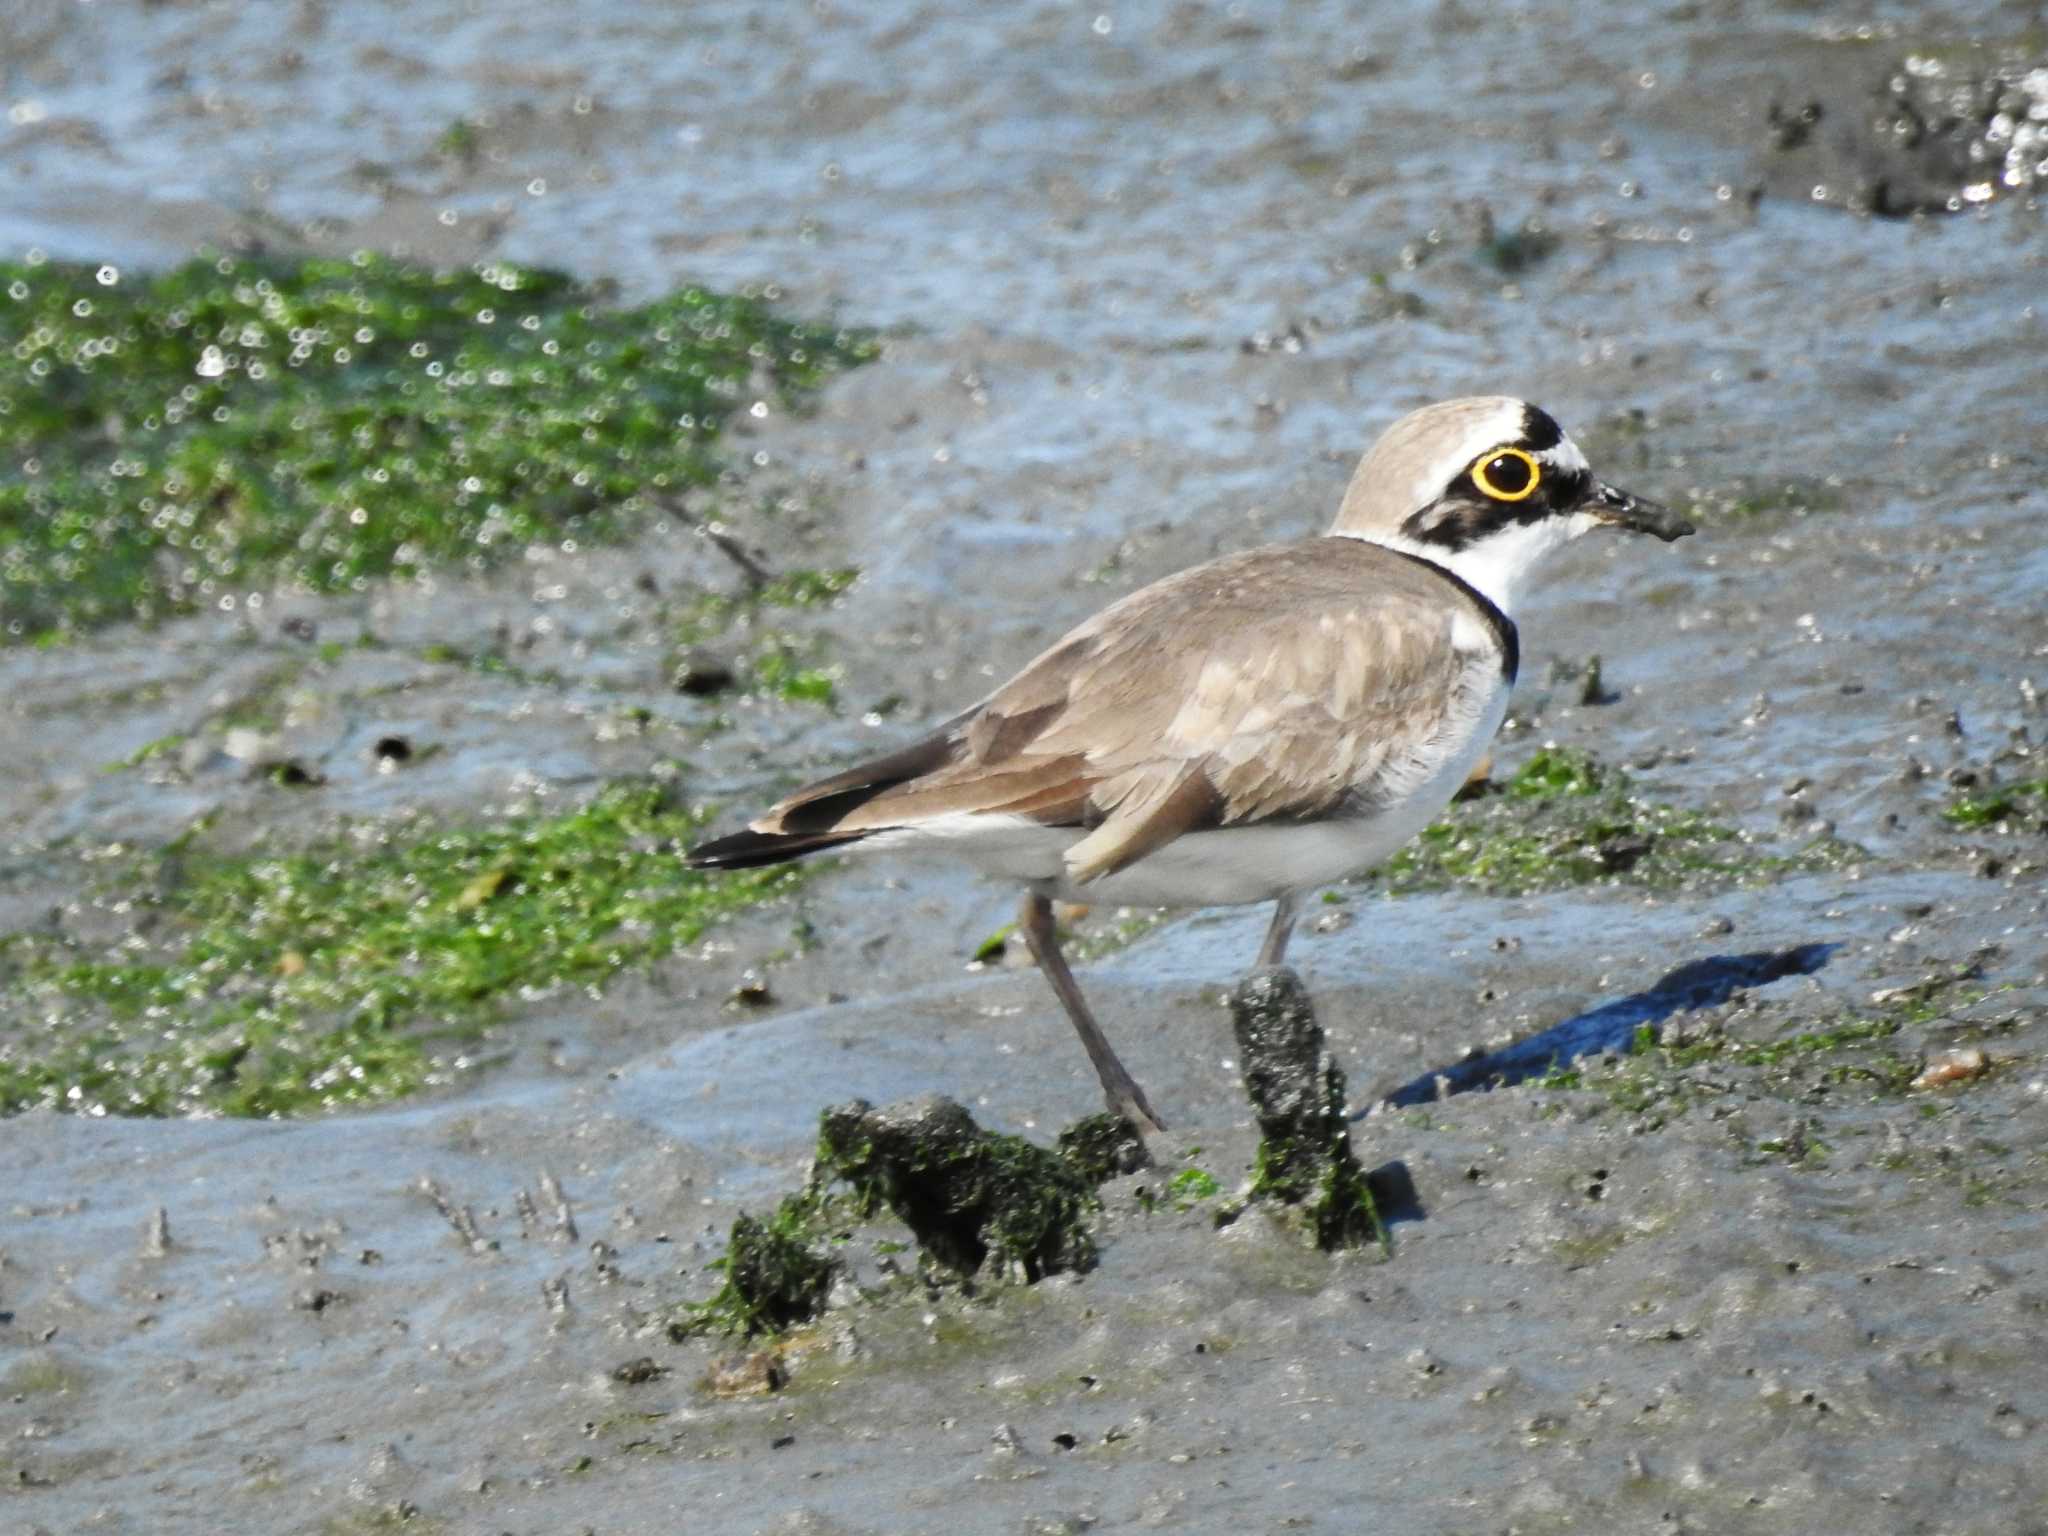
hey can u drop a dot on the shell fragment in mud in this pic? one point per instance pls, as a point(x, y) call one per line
point(749, 1375)
point(1953, 1067)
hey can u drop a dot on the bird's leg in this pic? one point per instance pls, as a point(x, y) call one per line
point(1274, 950)
point(1119, 1088)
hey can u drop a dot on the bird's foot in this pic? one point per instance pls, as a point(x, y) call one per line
point(1128, 1099)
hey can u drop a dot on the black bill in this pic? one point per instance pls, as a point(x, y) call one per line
point(1636, 514)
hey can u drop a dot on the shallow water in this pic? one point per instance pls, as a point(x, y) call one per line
point(1153, 278)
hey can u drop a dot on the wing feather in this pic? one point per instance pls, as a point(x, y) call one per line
point(1153, 810)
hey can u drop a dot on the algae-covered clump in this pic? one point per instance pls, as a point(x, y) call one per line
point(1305, 1158)
point(978, 1203)
point(774, 1276)
point(266, 984)
point(188, 438)
point(975, 1200)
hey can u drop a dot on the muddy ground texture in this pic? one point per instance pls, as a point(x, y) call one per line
point(1751, 1236)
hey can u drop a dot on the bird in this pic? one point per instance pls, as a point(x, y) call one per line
point(1249, 729)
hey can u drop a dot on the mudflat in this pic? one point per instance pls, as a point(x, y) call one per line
point(1750, 1238)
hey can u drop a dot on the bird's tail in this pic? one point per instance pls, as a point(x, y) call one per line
point(751, 849)
point(808, 821)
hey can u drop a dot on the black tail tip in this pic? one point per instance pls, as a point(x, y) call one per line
point(752, 850)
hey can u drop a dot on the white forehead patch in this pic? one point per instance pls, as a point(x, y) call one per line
point(1565, 458)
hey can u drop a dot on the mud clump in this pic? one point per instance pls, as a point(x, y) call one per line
point(1305, 1157)
point(977, 1201)
point(775, 1270)
point(755, 1374)
point(701, 673)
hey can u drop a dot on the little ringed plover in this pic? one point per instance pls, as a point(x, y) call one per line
point(1252, 728)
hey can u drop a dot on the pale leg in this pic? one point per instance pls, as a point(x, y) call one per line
point(1119, 1088)
point(1274, 950)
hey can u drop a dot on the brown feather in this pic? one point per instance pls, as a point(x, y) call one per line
point(1053, 781)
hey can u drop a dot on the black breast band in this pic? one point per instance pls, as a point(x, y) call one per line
point(1503, 627)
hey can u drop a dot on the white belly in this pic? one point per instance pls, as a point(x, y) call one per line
point(1225, 866)
point(1240, 864)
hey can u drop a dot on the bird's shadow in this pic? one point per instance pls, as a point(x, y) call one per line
point(1696, 984)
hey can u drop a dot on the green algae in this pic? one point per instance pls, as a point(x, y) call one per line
point(1565, 819)
point(991, 949)
point(350, 971)
point(714, 613)
point(148, 752)
point(789, 673)
point(1739, 500)
point(2025, 801)
point(41, 1375)
point(781, 663)
point(1790, 1049)
point(1189, 1187)
point(1554, 771)
point(1663, 1082)
point(1660, 1081)
point(182, 440)
point(1095, 937)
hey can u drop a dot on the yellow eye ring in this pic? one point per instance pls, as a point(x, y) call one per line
point(1495, 471)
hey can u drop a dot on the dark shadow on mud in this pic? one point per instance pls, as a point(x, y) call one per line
point(1611, 1026)
point(1394, 1194)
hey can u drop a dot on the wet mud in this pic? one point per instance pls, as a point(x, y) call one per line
point(1728, 1186)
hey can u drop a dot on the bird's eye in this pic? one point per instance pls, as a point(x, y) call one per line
point(1507, 474)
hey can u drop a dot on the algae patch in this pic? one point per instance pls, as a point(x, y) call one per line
point(192, 438)
point(2008, 807)
point(1667, 1073)
point(780, 662)
point(1771, 502)
point(1565, 819)
point(346, 972)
